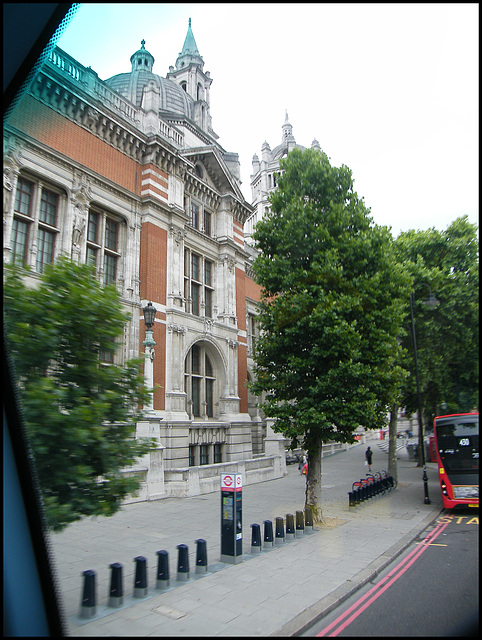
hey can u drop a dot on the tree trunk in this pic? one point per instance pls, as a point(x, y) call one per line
point(392, 442)
point(313, 479)
point(420, 440)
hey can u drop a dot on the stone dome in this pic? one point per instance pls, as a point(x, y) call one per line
point(172, 97)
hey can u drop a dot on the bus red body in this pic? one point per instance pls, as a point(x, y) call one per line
point(457, 450)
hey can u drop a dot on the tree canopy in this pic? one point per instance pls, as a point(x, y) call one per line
point(444, 263)
point(328, 358)
point(80, 414)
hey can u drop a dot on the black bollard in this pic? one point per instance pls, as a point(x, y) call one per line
point(300, 523)
point(87, 607)
point(279, 536)
point(290, 527)
point(268, 534)
point(162, 581)
point(351, 499)
point(201, 556)
point(255, 538)
point(116, 594)
point(308, 519)
point(182, 562)
point(140, 577)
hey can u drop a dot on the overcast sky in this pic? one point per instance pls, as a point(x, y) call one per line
point(390, 90)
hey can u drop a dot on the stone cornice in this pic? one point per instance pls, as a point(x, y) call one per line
point(28, 143)
point(77, 94)
point(199, 189)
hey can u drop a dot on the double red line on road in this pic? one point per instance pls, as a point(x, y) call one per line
point(375, 592)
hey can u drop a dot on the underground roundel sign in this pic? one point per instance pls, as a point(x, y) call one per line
point(231, 482)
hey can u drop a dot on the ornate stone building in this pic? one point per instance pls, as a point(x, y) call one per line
point(265, 172)
point(128, 174)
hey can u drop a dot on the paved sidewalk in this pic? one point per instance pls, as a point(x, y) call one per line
point(276, 592)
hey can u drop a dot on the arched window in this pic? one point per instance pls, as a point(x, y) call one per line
point(184, 86)
point(199, 382)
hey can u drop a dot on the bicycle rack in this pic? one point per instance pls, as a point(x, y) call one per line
point(367, 489)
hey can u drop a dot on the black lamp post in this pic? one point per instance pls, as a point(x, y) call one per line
point(431, 302)
point(149, 315)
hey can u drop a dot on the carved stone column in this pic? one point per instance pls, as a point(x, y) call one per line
point(77, 215)
point(175, 394)
point(11, 170)
point(226, 293)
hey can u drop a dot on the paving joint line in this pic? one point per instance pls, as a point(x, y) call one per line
point(130, 600)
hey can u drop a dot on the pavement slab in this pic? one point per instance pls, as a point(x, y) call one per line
point(278, 591)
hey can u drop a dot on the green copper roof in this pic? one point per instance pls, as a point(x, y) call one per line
point(190, 46)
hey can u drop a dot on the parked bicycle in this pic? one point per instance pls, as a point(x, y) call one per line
point(388, 481)
point(365, 487)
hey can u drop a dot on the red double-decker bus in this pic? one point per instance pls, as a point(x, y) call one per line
point(457, 446)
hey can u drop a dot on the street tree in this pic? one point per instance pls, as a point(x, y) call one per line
point(327, 359)
point(80, 414)
point(446, 264)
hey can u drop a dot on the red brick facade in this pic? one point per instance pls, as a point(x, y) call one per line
point(161, 220)
point(76, 143)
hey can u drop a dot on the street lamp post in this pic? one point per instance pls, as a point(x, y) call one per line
point(149, 344)
point(431, 302)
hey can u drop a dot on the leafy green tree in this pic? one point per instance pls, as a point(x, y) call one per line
point(80, 415)
point(327, 359)
point(446, 264)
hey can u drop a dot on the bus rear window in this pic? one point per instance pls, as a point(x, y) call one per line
point(459, 453)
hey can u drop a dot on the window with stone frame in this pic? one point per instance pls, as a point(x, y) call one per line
point(198, 284)
point(199, 382)
point(203, 454)
point(200, 216)
point(104, 238)
point(218, 452)
point(195, 215)
point(192, 455)
point(252, 332)
point(35, 224)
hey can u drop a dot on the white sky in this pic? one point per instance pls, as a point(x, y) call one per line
point(390, 90)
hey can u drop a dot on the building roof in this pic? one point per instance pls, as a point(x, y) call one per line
point(190, 46)
point(172, 97)
point(131, 85)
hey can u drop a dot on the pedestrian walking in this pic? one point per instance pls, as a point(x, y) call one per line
point(302, 464)
point(368, 458)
